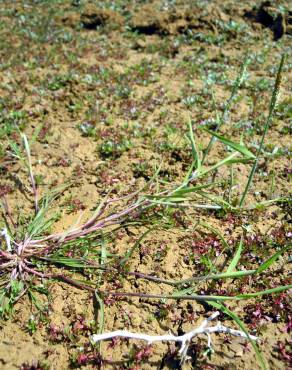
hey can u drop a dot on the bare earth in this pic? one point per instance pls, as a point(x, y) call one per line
point(109, 87)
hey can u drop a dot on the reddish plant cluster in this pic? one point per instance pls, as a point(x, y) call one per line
point(114, 342)
point(253, 240)
point(145, 250)
point(110, 300)
point(198, 246)
point(106, 179)
point(110, 135)
point(141, 354)
point(276, 310)
point(202, 246)
point(90, 358)
point(284, 351)
point(287, 171)
point(191, 317)
point(64, 162)
point(76, 205)
point(280, 236)
point(180, 220)
point(137, 356)
point(164, 310)
point(78, 171)
point(62, 333)
point(5, 189)
point(113, 279)
point(231, 218)
point(34, 366)
point(58, 334)
point(80, 325)
point(44, 131)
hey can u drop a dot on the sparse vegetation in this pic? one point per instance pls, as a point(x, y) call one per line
point(144, 166)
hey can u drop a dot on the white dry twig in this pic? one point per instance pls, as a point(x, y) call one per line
point(184, 339)
point(6, 236)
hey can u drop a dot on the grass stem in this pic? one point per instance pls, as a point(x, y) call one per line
point(227, 106)
point(267, 125)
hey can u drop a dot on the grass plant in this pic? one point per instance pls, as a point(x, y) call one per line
point(27, 254)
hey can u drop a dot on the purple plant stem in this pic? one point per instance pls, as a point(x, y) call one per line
point(157, 296)
point(59, 277)
point(7, 211)
point(91, 221)
point(6, 255)
point(81, 231)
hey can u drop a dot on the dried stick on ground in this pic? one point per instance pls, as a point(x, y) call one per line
point(184, 339)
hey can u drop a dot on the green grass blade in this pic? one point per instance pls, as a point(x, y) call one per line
point(205, 298)
point(100, 313)
point(236, 257)
point(271, 201)
point(242, 149)
point(195, 152)
point(226, 161)
point(104, 253)
point(182, 192)
point(222, 275)
point(40, 223)
point(279, 289)
point(215, 199)
point(271, 260)
point(36, 132)
point(16, 151)
point(69, 262)
point(187, 177)
point(223, 118)
point(267, 125)
point(32, 180)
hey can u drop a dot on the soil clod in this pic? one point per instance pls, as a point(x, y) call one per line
point(272, 18)
point(93, 17)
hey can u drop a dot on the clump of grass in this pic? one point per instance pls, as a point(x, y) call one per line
point(26, 254)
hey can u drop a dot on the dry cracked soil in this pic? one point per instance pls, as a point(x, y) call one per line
point(104, 91)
